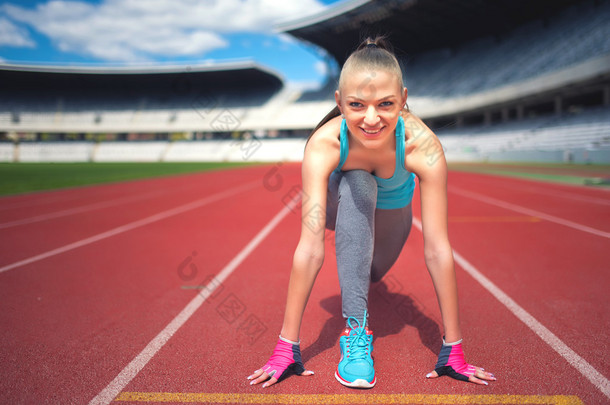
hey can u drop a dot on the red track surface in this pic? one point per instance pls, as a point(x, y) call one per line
point(72, 321)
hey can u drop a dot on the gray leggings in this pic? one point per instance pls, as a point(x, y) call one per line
point(367, 240)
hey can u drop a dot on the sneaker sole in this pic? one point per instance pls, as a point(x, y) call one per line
point(358, 383)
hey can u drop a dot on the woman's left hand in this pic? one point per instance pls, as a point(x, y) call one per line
point(451, 362)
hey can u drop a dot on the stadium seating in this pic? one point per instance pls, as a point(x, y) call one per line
point(491, 72)
point(492, 62)
point(585, 131)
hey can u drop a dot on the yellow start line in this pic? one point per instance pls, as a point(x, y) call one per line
point(425, 399)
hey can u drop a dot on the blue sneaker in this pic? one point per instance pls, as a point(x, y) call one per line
point(355, 368)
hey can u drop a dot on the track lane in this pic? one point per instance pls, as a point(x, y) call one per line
point(75, 318)
point(136, 305)
point(219, 359)
point(49, 200)
point(31, 239)
point(557, 273)
point(586, 206)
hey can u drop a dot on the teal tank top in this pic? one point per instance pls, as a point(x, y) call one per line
point(397, 191)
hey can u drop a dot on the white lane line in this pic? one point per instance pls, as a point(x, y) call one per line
point(81, 209)
point(133, 225)
point(69, 195)
point(527, 211)
point(580, 364)
point(107, 395)
point(570, 196)
point(34, 198)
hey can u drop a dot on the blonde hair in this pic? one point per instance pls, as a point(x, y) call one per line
point(372, 53)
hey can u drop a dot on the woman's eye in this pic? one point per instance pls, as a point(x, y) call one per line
point(386, 104)
point(355, 104)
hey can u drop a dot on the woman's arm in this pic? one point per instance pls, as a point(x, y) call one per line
point(320, 159)
point(437, 249)
point(425, 157)
point(309, 254)
point(427, 160)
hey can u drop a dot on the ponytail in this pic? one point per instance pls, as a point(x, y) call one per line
point(380, 42)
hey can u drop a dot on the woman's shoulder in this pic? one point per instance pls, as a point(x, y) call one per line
point(326, 138)
point(423, 150)
point(322, 151)
point(416, 130)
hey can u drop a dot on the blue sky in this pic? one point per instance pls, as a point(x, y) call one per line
point(184, 32)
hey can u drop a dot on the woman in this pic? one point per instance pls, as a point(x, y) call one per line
point(358, 175)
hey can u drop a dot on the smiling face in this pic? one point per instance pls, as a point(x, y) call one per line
point(371, 101)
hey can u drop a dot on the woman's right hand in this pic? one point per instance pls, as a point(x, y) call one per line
point(285, 360)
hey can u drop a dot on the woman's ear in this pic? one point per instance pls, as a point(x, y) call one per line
point(405, 95)
point(338, 100)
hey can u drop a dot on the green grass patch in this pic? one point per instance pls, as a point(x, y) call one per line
point(567, 173)
point(563, 166)
point(27, 177)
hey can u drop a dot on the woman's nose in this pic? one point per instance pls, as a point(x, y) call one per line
point(371, 117)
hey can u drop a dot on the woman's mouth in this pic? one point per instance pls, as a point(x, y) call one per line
point(371, 132)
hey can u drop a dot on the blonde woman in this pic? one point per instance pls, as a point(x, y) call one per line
point(358, 174)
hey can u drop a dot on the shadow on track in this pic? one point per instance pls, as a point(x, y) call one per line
point(390, 313)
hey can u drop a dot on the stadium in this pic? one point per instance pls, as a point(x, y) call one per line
point(496, 84)
point(164, 279)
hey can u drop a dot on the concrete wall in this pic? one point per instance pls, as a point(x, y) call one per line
point(254, 150)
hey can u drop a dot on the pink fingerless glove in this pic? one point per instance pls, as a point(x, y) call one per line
point(451, 362)
point(285, 358)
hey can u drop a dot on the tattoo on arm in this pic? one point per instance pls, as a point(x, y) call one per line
point(431, 149)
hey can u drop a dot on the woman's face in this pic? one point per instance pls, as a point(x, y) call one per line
point(371, 102)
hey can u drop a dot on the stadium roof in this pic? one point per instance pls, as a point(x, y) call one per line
point(232, 75)
point(140, 69)
point(415, 26)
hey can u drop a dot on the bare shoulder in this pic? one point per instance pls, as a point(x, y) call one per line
point(327, 136)
point(323, 147)
point(424, 153)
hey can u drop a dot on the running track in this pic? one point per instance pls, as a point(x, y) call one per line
point(172, 290)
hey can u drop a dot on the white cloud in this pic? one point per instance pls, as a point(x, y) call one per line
point(303, 85)
point(128, 30)
point(321, 68)
point(289, 39)
point(286, 42)
point(12, 35)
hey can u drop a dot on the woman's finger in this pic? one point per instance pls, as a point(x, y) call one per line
point(256, 374)
point(476, 380)
point(432, 374)
point(481, 373)
point(271, 381)
point(258, 377)
point(307, 372)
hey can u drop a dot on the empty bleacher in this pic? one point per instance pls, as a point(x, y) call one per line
point(578, 34)
point(587, 130)
point(489, 75)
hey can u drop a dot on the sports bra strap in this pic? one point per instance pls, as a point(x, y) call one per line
point(400, 141)
point(344, 145)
